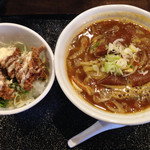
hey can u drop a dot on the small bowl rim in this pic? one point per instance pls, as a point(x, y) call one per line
point(52, 77)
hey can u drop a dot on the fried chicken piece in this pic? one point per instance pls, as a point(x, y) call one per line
point(10, 63)
point(31, 68)
point(26, 67)
point(5, 91)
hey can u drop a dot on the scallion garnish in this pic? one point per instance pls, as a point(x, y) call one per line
point(3, 103)
point(131, 66)
point(95, 45)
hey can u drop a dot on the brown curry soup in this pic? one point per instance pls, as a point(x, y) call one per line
point(108, 65)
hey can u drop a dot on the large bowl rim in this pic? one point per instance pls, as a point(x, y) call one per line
point(87, 108)
point(51, 80)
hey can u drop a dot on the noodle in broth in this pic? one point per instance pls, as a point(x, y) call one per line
point(108, 64)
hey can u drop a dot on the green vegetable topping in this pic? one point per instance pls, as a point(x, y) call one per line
point(96, 45)
point(3, 103)
point(111, 67)
point(112, 57)
point(131, 66)
point(113, 64)
point(18, 88)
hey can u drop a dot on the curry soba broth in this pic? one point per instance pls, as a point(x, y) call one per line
point(109, 66)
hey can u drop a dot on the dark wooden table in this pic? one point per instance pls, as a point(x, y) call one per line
point(50, 124)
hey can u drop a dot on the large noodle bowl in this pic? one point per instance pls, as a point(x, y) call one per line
point(108, 65)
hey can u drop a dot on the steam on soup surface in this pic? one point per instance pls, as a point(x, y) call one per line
point(108, 64)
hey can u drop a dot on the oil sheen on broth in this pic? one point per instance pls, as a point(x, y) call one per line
point(108, 64)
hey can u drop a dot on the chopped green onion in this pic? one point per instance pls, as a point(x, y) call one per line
point(118, 58)
point(121, 63)
point(112, 57)
point(24, 92)
point(3, 103)
point(18, 88)
point(111, 67)
point(11, 85)
point(131, 66)
point(95, 45)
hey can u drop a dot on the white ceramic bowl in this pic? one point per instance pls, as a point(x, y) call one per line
point(10, 32)
point(72, 29)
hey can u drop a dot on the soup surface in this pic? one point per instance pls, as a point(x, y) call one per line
point(108, 64)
